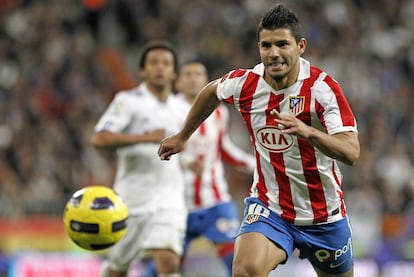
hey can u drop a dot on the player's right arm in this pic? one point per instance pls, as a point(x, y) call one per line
point(204, 104)
point(109, 131)
point(107, 139)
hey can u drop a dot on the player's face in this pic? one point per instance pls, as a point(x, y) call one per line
point(192, 78)
point(159, 70)
point(280, 54)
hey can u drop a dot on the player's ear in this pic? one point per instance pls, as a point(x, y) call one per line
point(302, 45)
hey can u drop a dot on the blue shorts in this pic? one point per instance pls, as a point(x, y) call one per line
point(218, 224)
point(327, 246)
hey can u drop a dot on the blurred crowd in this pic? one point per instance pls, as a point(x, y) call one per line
point(61, 62)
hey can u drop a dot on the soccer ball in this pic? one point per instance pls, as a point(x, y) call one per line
point(95, 218)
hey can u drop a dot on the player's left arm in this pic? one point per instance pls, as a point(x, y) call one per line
point(343, 146)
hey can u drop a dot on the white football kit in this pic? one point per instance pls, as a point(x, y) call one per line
point(293, 178)
point(153, 190)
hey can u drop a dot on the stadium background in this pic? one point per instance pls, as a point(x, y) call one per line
point(62, 61)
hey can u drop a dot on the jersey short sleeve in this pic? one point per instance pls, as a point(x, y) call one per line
point(333, 108)
point(230, 84)
point(117, 115)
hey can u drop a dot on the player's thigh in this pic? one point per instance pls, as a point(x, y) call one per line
point(256, 254)
point(167, 231)
point(328, 247)
point(122, 253)
point(349, 273)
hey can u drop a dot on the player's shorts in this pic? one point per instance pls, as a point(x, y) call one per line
point(218, 224)
point(163, 230)
point(327, 246)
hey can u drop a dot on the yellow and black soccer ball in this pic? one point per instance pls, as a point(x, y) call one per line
point(95, 218)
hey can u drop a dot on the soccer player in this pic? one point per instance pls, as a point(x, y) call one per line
point(212, 213)
point(301, 126)
point(134, 124)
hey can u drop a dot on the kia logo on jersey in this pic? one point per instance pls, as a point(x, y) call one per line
point(272, 139)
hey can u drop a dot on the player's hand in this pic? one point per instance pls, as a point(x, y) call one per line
point(170, 146)
point(291, 125)
point(155, 135)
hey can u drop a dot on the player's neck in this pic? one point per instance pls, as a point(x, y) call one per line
point(285, 81)
point(279, 84)
point(160, 92)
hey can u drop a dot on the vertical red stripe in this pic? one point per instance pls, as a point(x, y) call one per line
point(313, 181)
point(214, 185)
point(347, 116)
point(245, 103)
point(197, 181)
point(319, 111)
point(308, 156)
point(216, 191)
point(197, 190)
point(341, 195)
point(278, 163)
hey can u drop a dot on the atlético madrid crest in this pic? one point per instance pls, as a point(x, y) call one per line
point(296, 104)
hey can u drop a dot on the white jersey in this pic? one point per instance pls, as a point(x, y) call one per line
point(293, 178)
point(211, 144)
point(143, 181)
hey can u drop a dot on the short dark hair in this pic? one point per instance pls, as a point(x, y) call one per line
point(194, 61)
point(191, 61)
point(158, 44)
point(280, 17)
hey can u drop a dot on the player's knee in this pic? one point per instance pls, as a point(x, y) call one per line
point(247, 269)
point(244, 271)
point(170, 266)
point(104, 271)
point(107, 271)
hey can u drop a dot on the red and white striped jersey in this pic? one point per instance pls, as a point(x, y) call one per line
point(293, 178)
point(211, 144)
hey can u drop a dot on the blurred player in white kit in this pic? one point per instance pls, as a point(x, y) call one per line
point(134, 124)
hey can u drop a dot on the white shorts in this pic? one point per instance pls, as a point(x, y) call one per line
point(164, 230)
